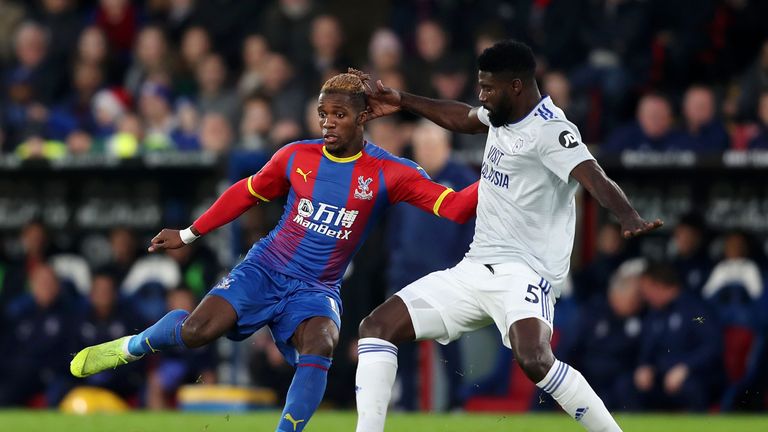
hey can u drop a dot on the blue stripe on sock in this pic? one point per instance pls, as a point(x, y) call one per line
point(363, 347)
point(562, 378)
point(554, 378)
point(377, 345)
point(365, 351)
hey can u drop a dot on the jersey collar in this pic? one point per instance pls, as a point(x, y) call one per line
point(343, 160)
point(528, 116)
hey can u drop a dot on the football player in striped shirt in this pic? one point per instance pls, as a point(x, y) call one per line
point(337, 187)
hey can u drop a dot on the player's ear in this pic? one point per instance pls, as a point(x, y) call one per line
point(362, 117)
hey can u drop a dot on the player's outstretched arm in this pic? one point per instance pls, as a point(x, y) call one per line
point(452, 115)
point(270, 182)
point(231, 204)
point(437, 199)
point(610, 196)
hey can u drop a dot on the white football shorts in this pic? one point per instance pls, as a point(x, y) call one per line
point(446, 304)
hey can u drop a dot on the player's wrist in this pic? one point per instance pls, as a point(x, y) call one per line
point(188, 235)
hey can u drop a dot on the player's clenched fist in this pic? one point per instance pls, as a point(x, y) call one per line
point(166, 239)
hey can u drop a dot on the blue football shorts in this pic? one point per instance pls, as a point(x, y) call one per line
point(261, 296)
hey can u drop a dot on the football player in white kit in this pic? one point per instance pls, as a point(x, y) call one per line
point(533, 164)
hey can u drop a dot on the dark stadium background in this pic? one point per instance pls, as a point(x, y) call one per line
point(120, 118)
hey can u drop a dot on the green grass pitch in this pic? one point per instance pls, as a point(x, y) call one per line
point(339, 421)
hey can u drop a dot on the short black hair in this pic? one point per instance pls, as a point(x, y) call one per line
point(662, 272)
point(508, 56)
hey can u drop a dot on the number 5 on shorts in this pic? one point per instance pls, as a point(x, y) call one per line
point(531, 296)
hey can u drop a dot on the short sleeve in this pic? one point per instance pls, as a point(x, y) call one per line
point(561, 149)
point(482, 115)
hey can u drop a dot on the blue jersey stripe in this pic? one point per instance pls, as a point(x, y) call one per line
point(332, 185)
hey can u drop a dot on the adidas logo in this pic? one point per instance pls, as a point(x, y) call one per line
point(580, 412)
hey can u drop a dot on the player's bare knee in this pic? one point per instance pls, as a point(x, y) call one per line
point(536, 361)
point(320, 346)
point(373, 327)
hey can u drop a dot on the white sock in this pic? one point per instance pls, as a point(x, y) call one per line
point(376, 370)
point(569, 388)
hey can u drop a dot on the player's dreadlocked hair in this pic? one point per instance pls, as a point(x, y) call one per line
point(350, 83)
point(508, 56)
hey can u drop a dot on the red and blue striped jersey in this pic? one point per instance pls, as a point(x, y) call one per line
point(333, 203)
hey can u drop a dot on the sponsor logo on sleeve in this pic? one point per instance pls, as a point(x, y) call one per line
point(568, 139)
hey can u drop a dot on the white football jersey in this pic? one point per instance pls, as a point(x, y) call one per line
point(526, 209)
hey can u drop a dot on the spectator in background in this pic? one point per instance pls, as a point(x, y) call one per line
point(431, 46)
point(603, 341)
point(215, 134)
point(106, 318)
point(92, 49)
point(680, 363)
point(617, 35)
point(287, 98)
point(176, 367)
point(736, 267)
point(450, 80)
point(213, 95)
point(255, 54)
point(27, 84)
point(12, 16)
point(176, 16)
point(151, 57)
point(75, 111)
point(40, 321)
point(120, 22)
point(286, 25)
point(35, 146)
point(652, 131)
point(199, 268)
point(486, 39)
point(157, 115)
point(420, 245)
point(186, 135)
point(689, 255)
point(195, 46)
point(704, 132)
point(384, 52)
point(63, 24)
point(558, 87)
point(327, 40)
point(752, 85)
point(256, 124)
point(107, 108)
point(79, 143)
point(760, 141)
point(124, 143)
point(592, 281)
point(33, 61)
point(34, 251)
point(124, 252)
point(388, 133)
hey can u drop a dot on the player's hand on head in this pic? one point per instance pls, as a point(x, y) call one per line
point(639, 226)
point(166, 239)
point(382, 101)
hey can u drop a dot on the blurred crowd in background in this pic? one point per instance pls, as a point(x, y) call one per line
point(122, 79)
